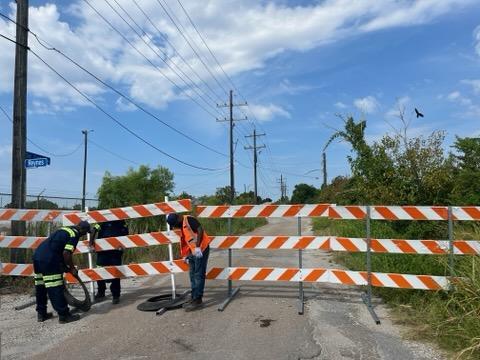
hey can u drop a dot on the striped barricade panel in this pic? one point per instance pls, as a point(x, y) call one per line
point(271, 242)
point(400, 246)
point(129, 212)
point(466, 212)
point(390, 212)
point(32, 215)
point(108, 272)
point(103, 244)
point(333, 276)
point(254, 211)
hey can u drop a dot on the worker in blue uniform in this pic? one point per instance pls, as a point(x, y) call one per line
point(51, 259)
point(110, 257)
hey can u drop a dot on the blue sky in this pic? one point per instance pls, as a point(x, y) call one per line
point(297, 63)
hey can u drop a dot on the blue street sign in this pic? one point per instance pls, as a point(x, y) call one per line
point(38, 162)
point(33, 160)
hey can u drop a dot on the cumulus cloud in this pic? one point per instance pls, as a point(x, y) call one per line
point(476, 35)
point(268, 112)
point(474, 83)
point(401, 103)
point(471, 108)
point(340, 105)
point(242, 40)
point(367, 104)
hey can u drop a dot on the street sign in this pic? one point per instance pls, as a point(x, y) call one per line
point(33, 160)
point(34, 163)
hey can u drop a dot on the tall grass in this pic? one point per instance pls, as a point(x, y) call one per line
point(450, 318)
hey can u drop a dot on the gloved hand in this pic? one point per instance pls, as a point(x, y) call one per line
point(198, 253)
point(73, 271)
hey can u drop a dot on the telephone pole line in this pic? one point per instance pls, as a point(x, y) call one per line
point(19, 141)
point(255, 158)
point(324, 167)
point(231, 120)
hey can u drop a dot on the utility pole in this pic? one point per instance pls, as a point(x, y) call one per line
point(255, 159)
point(85, 134)
point(231, 120)
point(19, 143)
point(324, 166)
point(283, 187)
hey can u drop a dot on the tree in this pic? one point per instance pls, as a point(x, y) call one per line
point(304, 194)
point(142, 186)
point(466, 189)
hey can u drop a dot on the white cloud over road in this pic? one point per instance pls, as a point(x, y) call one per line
point(243, 40)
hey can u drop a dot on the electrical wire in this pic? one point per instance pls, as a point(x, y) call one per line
point(164, 60)
point(148, 60)
point(49, 47)
point(90, 141)
point(190, 45)
point(86, 97)
point(41, 147)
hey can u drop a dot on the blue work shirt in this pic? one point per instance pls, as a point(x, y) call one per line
point(51, 250)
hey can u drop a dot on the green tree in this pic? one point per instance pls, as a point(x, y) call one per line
point(466, 188)
point(304, 194)
point(141, 186)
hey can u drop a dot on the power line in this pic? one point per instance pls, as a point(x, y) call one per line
point(40, 147)
point(86, 97)
point(175, 49)
point(194, 87)
point(112, 153)
point(49, 47)
point(190, 45)
point(146, 58)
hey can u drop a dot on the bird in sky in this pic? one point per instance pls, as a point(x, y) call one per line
point(418, 113)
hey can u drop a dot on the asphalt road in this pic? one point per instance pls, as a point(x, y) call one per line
point(260, 323)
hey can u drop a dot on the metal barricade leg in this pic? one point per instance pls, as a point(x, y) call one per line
point(90, 266)
point(367, 297)
point(451, 259)
point(170, 258)
point(301, 300)
point(231, 292)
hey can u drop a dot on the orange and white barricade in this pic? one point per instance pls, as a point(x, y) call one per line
point(298, 242)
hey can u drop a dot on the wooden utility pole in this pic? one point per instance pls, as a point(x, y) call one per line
point(84, 189)
point(19, 140)
point(324, 167)
point(231, 120)
point(255, 159)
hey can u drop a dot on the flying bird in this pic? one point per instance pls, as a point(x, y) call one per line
point(418, 113)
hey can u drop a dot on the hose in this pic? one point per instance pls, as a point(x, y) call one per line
point(84, 305)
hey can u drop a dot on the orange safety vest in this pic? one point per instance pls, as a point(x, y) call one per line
point(188, 239)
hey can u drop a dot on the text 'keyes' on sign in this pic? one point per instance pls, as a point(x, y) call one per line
point(33, 160)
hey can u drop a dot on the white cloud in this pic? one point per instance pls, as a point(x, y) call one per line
point(242, 40)
point(401, 103)
point(5, 151)
point(474, 83)
point(476, 36)
point(367, 104)
point(268, 112)
point(340, 105)
point(471, 109)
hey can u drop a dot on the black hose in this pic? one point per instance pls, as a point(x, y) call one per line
point(84, 305)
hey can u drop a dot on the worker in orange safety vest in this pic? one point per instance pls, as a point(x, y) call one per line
point(194, 248)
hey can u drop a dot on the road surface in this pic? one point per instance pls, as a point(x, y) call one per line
point(260, 323)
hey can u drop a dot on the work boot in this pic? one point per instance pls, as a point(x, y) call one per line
point(41, 317)
point(193, 305)
point(64, 319)
point(99, 297)
point(116, 300)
